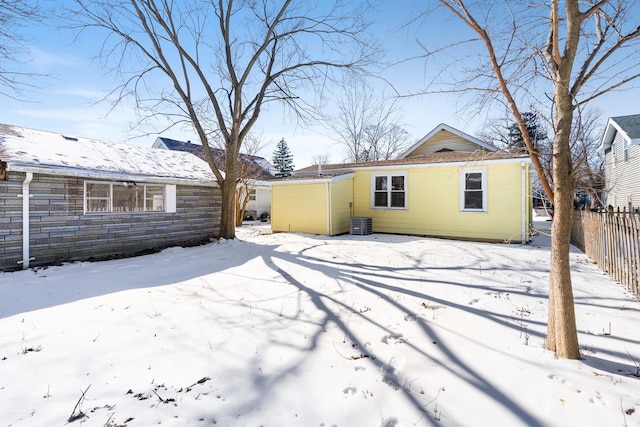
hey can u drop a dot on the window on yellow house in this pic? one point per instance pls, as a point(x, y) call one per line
point(473, 195)
point(389, 191)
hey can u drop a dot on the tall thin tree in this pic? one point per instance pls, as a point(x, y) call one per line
point(212, 65)
point(567, 53)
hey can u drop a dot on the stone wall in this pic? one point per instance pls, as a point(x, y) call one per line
point(60, 231)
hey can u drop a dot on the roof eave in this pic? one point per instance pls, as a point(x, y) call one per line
point(112, 176)
point(609, 134)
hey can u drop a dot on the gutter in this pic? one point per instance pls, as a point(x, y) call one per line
point(108, 176)
point(25, 220)
point(327, 192)
point(524, 206)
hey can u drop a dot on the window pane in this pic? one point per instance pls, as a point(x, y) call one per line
point(127, 199)
point(473, 200)
point(397, 182)
point(98, 190)
point(98, 205)
point(473, 181)
point(380, 199)
point(381, 183)
point(397, 200)
point(155, 198)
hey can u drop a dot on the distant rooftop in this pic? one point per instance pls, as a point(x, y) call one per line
point(262, 169)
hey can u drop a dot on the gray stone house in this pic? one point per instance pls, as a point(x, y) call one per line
point(621, 147)
point(64, 198)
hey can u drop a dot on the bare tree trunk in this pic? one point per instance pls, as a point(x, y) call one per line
point(228, 187)
point(562, 335)
point(242, 199)
point(228, 211)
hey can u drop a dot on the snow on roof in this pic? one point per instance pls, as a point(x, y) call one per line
point(33, 150)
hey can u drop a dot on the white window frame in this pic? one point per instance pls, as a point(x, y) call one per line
point(613, 154)
point(625, 149)
point(168, 198)
point(252, 195)
point(463, 188)
point(389, 191)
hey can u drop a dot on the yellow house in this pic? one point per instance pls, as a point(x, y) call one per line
point(480, 195)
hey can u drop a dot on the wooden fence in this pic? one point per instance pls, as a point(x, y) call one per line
point(612, 240)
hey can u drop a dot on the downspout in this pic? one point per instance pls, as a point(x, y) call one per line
point(326, 186)
point(25, 220)
point(524, 206)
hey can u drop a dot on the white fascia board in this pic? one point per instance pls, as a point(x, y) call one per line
point(445, 164)
point(609, 133)
point(109, 176)
point(314, 180)
point(607, 137)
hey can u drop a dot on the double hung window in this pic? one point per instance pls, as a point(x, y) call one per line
point(390, 191)
point(473, 195)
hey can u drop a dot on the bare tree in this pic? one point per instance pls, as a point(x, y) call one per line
point(13, 49)
point(588, 163)
point(249, 171)
point(321, 159)
point(213, 64)
point(560, 55)
point(588, 167)
point(367, 125)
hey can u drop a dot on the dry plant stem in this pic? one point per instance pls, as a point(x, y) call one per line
point(79, 415)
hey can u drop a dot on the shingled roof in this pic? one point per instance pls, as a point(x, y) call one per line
point(628, 126)
point(259, 167)
point(431, 158)
point(30, 150)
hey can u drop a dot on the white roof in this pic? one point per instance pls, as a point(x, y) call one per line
point(30, 150)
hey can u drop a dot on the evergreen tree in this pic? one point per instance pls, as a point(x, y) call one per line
point(534, 129)
point(283, 159)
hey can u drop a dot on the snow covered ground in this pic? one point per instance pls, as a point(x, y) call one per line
point(301, 330)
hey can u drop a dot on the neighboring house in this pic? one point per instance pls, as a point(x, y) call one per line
point(621, 147)
point(464, 190)
point(260, 172)
point(65, 198)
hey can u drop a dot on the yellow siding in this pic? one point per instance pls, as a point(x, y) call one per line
point(341, 196)
point(299, 208)
point(433, 204)
point(444, 139)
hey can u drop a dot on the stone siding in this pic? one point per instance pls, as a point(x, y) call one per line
point(60, 231)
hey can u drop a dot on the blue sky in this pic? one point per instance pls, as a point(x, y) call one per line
point(68, 101)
